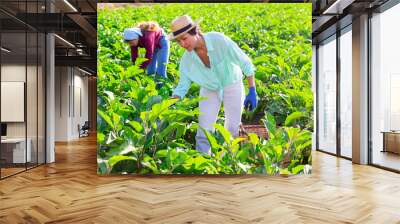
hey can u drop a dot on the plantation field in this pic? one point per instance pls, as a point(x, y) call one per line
point(141, 130)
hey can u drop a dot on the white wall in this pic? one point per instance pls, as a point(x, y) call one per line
point(81, 114)
point(71, 87)
point(62, 81)
point(14, 72)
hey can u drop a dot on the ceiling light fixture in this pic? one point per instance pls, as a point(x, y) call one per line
point(64, 40)
point(70, 5)
point(337, 7)
point(79, 51)
point(5, 49)
point(86, 72)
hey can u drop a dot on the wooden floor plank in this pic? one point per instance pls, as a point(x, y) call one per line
point(70, 191)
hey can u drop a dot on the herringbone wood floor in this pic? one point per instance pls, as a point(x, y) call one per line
point(70, 191)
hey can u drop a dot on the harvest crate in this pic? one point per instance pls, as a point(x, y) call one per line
point(257, 129)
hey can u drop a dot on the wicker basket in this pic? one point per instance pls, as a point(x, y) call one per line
point(259, 130)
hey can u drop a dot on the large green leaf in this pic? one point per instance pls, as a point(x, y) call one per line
point(136, 125)
point(293, 117)
point(297, 169)
point(149, 163)
point(253, 139)
point(161, 153)
point(106, 118)
point(180, 130)
point(200, 163)
point(237, 141)
point(243, 154)
point(269, 123)
point(225, 133)
point(169, 129)
point(211, 139)
point(117, 158)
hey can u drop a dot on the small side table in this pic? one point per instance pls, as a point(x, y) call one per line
point(391, 141)
point(17, 146)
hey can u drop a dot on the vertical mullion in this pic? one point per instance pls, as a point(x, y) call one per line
point(60, 88)
point(69, 93)
point(26, 86)
point(45, 94)
point(73, 92)
point(45, 87)
point(37, 89)
point(338, 73)
point(0, 95)
point(369, 98)
point(317, 97)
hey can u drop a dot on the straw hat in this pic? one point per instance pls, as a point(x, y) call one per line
point(181, 25)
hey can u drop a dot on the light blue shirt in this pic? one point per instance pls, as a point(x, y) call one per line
point(227, 64)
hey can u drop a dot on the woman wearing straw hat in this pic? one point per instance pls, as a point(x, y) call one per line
point(217, 64)
point(150, 36)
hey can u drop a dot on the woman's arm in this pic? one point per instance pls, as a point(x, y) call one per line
point(251, 81)
point(238, 56)
point(134, 54)
point(184, 82)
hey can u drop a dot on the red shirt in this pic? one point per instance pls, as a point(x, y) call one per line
point(150, 41)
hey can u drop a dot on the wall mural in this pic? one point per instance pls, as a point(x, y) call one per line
point(204, 89)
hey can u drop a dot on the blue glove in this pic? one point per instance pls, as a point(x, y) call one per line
point(251, 99)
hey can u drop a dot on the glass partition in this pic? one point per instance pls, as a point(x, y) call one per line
point(41, 85)
point(22, 88)
point(346, 92)
point(327, 95)
point(14, 153)
point(385, 89)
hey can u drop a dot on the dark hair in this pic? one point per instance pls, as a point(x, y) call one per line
point(193, 31)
